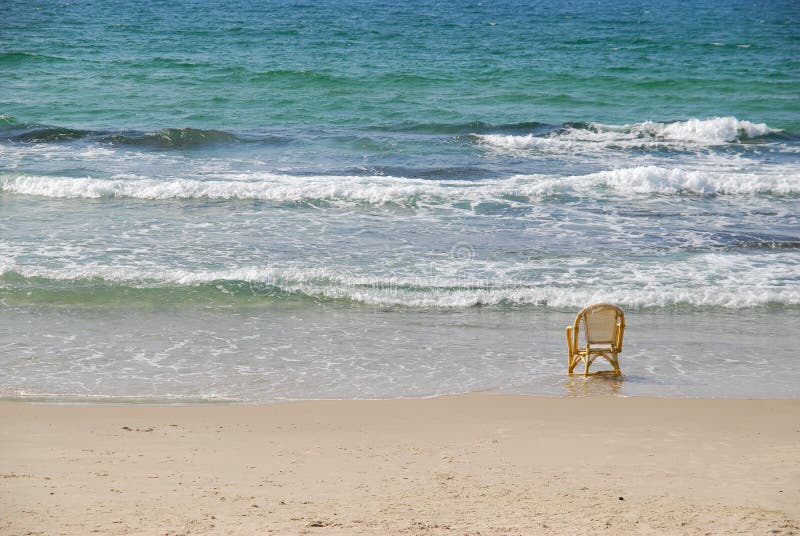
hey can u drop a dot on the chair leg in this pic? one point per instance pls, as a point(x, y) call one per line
point(586, 368)
point(571, 359)
point(573, 362)
point(615, 363)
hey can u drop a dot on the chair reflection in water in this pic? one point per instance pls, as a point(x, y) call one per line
point(600, 328)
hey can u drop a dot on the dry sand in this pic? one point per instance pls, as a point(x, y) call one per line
point(474, 464)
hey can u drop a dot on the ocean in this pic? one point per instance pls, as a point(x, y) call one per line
point(221, 201)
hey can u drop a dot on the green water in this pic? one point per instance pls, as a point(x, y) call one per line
point(231, 65)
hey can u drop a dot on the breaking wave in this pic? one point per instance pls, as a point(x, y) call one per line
point(387, 190)
point(472, 127)
point(649, 134)
point(574, 138)
point(125, 285)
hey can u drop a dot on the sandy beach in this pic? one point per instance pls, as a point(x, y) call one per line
point(472, 464)
point(306, 268)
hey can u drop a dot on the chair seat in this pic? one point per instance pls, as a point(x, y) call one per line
point(597, 348)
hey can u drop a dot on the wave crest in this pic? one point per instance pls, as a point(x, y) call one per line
point(277, 188)
point(380, 290)
point(714, 131)
point(692, 132)
point(654, 179)
point(414, 192)
point(167, 138)
point(51, 134)
point(172, 138)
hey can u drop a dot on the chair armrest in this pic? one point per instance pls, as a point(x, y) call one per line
point(619, 335)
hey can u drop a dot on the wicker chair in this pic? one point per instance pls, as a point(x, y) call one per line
point(604, 328)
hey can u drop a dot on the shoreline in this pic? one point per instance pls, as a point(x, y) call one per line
point(445, 465)
point(155, 402)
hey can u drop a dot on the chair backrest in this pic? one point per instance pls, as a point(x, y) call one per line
point(600, 322)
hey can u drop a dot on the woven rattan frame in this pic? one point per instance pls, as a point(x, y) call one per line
point(612, 341)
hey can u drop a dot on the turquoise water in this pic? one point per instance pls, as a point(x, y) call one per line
point(310, 200)
point(232, 65)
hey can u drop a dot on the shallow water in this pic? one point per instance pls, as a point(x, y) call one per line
point(296, 351)
point(221, 201)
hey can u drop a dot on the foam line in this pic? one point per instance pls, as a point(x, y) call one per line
point(379, 190)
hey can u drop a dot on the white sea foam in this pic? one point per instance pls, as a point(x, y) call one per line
point(708, 280)
point(679, 134)
point(375, 190)
point(654, 179)
point(380, 190)
point(713, 131)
